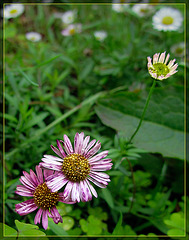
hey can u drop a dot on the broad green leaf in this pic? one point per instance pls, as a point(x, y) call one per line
point(93, 226)
point(176, 223)
point(162, 130)
point(57, 228)
point(8, 231)
point(25, 229)
point(107, 197)
point(118, 226)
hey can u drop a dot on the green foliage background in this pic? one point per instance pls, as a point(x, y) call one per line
point(63, 85)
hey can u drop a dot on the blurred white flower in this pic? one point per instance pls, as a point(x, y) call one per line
point(68, 17)
point(100, 35)
point(72, 29)
point(178, 49)
point(13, 10)
point(142, 9)
point(118, 7)
point(167, 19)
point(33, 36)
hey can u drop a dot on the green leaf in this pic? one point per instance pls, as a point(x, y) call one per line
point(106, 194)
point(176, 223)
point(25, 229)
point(93, 226)
point(118, 226)
point(86, 70)
point(27, 78)
point(57, 228)
point(9, 231)
point(162, 130)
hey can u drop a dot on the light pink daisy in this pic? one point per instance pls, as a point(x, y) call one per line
point(77, 167)
point(42, 197)
point(159, 69)
point(72, 29)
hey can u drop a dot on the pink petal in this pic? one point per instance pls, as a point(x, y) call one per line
point(85, 142)
point(56, 151)
point(39, 174)
point(38, 216)
point(89, 146)
point(45, 219)
point(98, 156)
point(97, 183)
point(92, 189)
point(61, 149)
point(94, 150)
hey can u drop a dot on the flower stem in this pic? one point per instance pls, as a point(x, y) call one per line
point(144, 111)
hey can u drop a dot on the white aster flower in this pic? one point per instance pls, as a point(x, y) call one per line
point(13, 10)
point(100, 35)
point(68, 17)
point(72, 29)
point(33, 36)
point(142, 9)
point(178, 49)
point(167, 19)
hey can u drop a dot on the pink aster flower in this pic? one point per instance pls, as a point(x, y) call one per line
point(159, 69)
point(42, 197)
point(77, 167)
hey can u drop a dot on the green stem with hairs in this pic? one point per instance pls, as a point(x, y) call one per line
point(144, 111)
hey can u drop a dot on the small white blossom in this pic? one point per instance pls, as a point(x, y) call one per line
point(178, 49)
point(72, 29)
point(142, 9)
point(167, 19)
point(100, 35)
point(68, 17)
point(33, 36)
point(13, 10)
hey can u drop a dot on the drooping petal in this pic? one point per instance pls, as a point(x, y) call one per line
point(38, 216)
point(45, 219)
point(55, 215)
point(92, 189)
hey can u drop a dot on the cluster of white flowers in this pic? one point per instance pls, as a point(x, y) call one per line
point(165, 19)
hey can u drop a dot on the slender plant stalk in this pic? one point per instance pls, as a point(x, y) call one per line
point(144, 111)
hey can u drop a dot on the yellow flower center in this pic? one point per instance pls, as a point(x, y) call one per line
point(13, 11)
point(76, 167)
point(160, 69)
point(32, 38)
point(72, 31)
point(167, 20)
point(44, 198)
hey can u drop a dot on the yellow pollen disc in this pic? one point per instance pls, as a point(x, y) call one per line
point(13, 11)
point(44, 198)
point(72, 31)
point(76, 167)
point(167, 20)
